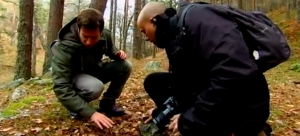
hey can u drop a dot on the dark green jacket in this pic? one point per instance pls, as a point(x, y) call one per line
point(70, 58)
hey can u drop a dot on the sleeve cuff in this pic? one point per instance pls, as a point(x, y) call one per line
point(87, 111)
point(186, 121)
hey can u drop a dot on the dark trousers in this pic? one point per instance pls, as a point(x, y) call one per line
point(157, 86)
point(90, 87)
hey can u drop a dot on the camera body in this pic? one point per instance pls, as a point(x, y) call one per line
point(161, 117)
point(164, 114)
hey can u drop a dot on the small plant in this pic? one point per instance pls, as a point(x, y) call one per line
point(295, 67)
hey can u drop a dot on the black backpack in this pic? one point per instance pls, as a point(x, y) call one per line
point(264, 38)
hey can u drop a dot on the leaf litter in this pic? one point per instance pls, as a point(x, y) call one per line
point(284, 118)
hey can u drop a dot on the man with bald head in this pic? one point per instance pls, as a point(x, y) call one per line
point(212, 76)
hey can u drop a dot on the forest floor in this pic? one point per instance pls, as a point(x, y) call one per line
point(42, 115)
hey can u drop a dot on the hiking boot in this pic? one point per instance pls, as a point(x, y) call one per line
point(73, 115)
point(112, 110)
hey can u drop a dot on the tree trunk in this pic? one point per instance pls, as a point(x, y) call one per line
point(99, 5)
point(111, 14)
point(33, 51)
point(114, 22)
point(288, 9)
point(25, 27)
point(143, 48)
point(54, 25)
point(13, 33)
point(125, 20)
point(137, 33)
point(298, 10)
point(240, 4)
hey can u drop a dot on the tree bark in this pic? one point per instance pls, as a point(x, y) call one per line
point(114, 22)
point(33, 51)
point(99, 5)
point(25, 27)
point(137, 42)
point(54, 25)
point(298, 10)
point(240, 4)
point(111, 14)
point(125, 20)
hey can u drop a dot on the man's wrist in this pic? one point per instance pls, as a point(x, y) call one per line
point(87, 111)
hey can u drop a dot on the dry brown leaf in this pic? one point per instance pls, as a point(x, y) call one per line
point(37, 120)
point(128, 112)
point(47, 128)
point(279, 122)
point(36, 129)
point(6, 129)
point(292, 106)
point(19, 134)
point(139, 113)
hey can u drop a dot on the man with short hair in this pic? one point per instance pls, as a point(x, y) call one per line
point(79, 74)
point(218, 86)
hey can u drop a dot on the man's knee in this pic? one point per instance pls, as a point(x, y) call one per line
point(120, 66)
point(154, 80)
point(148, 82)
point(96, 90)
point(88, 87)
point(127, 66)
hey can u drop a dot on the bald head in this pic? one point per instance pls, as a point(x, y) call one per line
point(149, 11)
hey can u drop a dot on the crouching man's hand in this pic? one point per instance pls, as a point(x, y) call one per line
point(101, 120)
point(174, 125)
point(122, 54)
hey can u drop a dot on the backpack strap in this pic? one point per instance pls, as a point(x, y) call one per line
point(181, 22)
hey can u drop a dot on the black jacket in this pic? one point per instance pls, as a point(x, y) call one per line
point(216, 80)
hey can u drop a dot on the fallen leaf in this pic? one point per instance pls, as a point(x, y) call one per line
point(6, 129)
point(297, 130)
point(19, 134)
point(279, 122)
point(139, 113)
point(126, 130)
point(37, 120)
point(47, 128)
point(292, 106)
point(65, 128)
point(128, 112)
point(12, 132)
point(135, 124)
point(35, 130)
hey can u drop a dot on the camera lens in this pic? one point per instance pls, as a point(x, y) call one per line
point(163, 118)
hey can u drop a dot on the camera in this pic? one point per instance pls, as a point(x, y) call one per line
point(161, 117)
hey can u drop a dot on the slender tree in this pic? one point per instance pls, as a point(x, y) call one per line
point(54, 25)
point(23, 62)
point(99, 5)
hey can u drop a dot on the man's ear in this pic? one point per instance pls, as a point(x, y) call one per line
point(153, 20)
